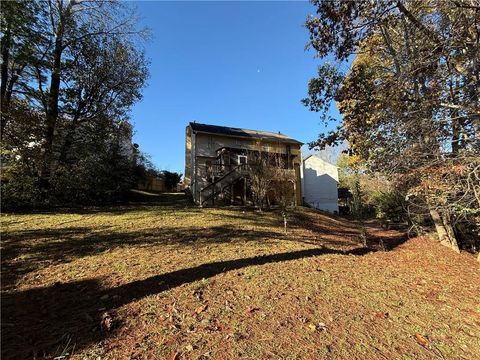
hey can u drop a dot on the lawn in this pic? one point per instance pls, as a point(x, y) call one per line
point(166, 280)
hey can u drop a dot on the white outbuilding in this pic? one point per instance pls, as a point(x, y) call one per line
point(320, 184)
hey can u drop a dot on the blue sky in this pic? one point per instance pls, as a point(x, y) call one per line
point(240, 64)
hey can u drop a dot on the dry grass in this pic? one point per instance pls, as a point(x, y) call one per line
point(188, 283)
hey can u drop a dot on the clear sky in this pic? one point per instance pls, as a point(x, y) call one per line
point(240, 64)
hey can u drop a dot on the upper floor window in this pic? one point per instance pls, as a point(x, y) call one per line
point(210, 143)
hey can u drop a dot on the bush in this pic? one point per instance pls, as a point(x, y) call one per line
point(92, 179)
point(389, 205)
point(19, 189)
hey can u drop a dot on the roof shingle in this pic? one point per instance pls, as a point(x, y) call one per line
point(245, 133)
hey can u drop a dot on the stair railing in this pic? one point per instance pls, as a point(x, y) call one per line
point(212, 185)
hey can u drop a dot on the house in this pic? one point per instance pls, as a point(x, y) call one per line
point(219, 161)
point(319, 184)
point(153, 182)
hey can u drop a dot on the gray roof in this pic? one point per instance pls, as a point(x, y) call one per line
point(244, 133)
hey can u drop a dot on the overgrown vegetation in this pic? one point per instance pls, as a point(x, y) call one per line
point(373, 195)
point(409, 103)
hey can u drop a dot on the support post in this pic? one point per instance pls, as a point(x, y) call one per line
point(244, 191)
point(213, 194)
point(294, 193)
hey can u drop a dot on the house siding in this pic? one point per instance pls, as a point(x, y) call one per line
point(188, 157)
point(320, 183)
point(203, 147)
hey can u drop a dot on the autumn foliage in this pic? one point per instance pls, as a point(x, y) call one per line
point(409, 101)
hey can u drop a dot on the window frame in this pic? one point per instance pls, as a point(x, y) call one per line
point(239, 157)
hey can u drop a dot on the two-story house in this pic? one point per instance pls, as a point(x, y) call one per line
point(218, 161)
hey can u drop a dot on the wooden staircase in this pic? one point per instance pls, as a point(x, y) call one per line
point(222, 185)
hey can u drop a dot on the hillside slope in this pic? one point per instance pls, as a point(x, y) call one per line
point(181, 282)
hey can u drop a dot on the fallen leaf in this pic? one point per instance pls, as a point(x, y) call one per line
point(106, 322)
point(382, 315)
point(174, 356)
point(200, 309)
point(189, 347)
point(421, 340)
point(198, 294)
point(321, 327)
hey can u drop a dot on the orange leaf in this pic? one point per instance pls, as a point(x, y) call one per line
point(174, 356)
point(382, 315)
point(200, 309)
point(421, 340)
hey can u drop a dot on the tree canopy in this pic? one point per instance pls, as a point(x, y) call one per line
point(71, 70)
point(410, 99)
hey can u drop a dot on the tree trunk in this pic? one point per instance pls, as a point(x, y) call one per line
point(51, 115)
point(444, 230)
point(52, 103)
point(6, 39)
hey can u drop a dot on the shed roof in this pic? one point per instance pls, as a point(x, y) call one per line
point(244, 133)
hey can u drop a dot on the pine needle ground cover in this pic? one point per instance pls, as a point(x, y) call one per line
point(166, 280)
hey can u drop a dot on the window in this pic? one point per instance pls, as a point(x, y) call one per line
point(242, 159)
point(210, 144)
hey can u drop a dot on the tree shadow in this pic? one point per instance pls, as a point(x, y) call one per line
point(49, 321)
point(29, 250)
point(346, 230)
point(131, 203)
point(25, 251)
point(42, 322)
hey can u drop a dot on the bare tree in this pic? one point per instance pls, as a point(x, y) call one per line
point(283, 189)
point(262, 174)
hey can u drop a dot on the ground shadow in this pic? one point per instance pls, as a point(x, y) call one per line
point(25, 251)
point(49, 321)
point(348, 231)
point(133, 201)
point(29, 250)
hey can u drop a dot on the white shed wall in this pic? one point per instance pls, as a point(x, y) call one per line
point(320, 183)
